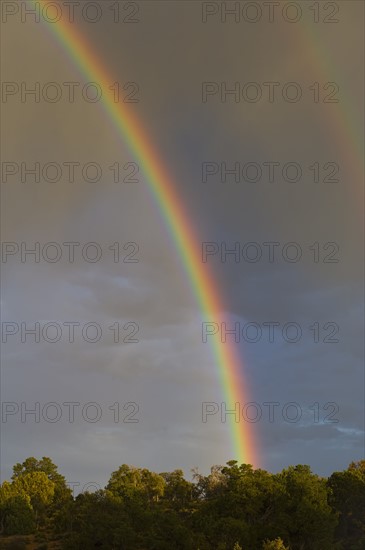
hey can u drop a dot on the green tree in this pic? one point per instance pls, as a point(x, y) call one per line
point(177, 491)
point(234, 507)
point(237, 504)
point(131, 483)
point(347, 498)
point(52, 510)
point(100, 519)
point(38, 488)
point(17, 516)
point(25, 500)
point(211, 485)
point(45, 465)
point(303, 512)
point(276, 544)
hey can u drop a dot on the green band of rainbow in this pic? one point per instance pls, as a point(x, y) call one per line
point(178, 224)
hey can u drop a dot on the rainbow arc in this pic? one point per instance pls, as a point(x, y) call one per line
point(177, 222)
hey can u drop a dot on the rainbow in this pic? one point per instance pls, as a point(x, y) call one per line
point(177, 222)
point(343, 122)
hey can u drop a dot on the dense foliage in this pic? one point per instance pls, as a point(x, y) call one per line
point(233, 508)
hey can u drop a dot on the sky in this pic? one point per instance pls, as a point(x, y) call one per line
point(130, 351)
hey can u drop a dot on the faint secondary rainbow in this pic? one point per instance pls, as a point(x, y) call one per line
point(344, 122)
point(178, 224)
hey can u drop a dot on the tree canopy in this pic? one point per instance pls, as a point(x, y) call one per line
point(234, 507)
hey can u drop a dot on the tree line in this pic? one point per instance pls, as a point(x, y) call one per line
point(235, 507)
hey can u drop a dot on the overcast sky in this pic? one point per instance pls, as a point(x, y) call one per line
point(161, 380)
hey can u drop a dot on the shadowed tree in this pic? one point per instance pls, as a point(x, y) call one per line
point(16, 513)
point(347, 497)
point(304, 514)
point(233, 508)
